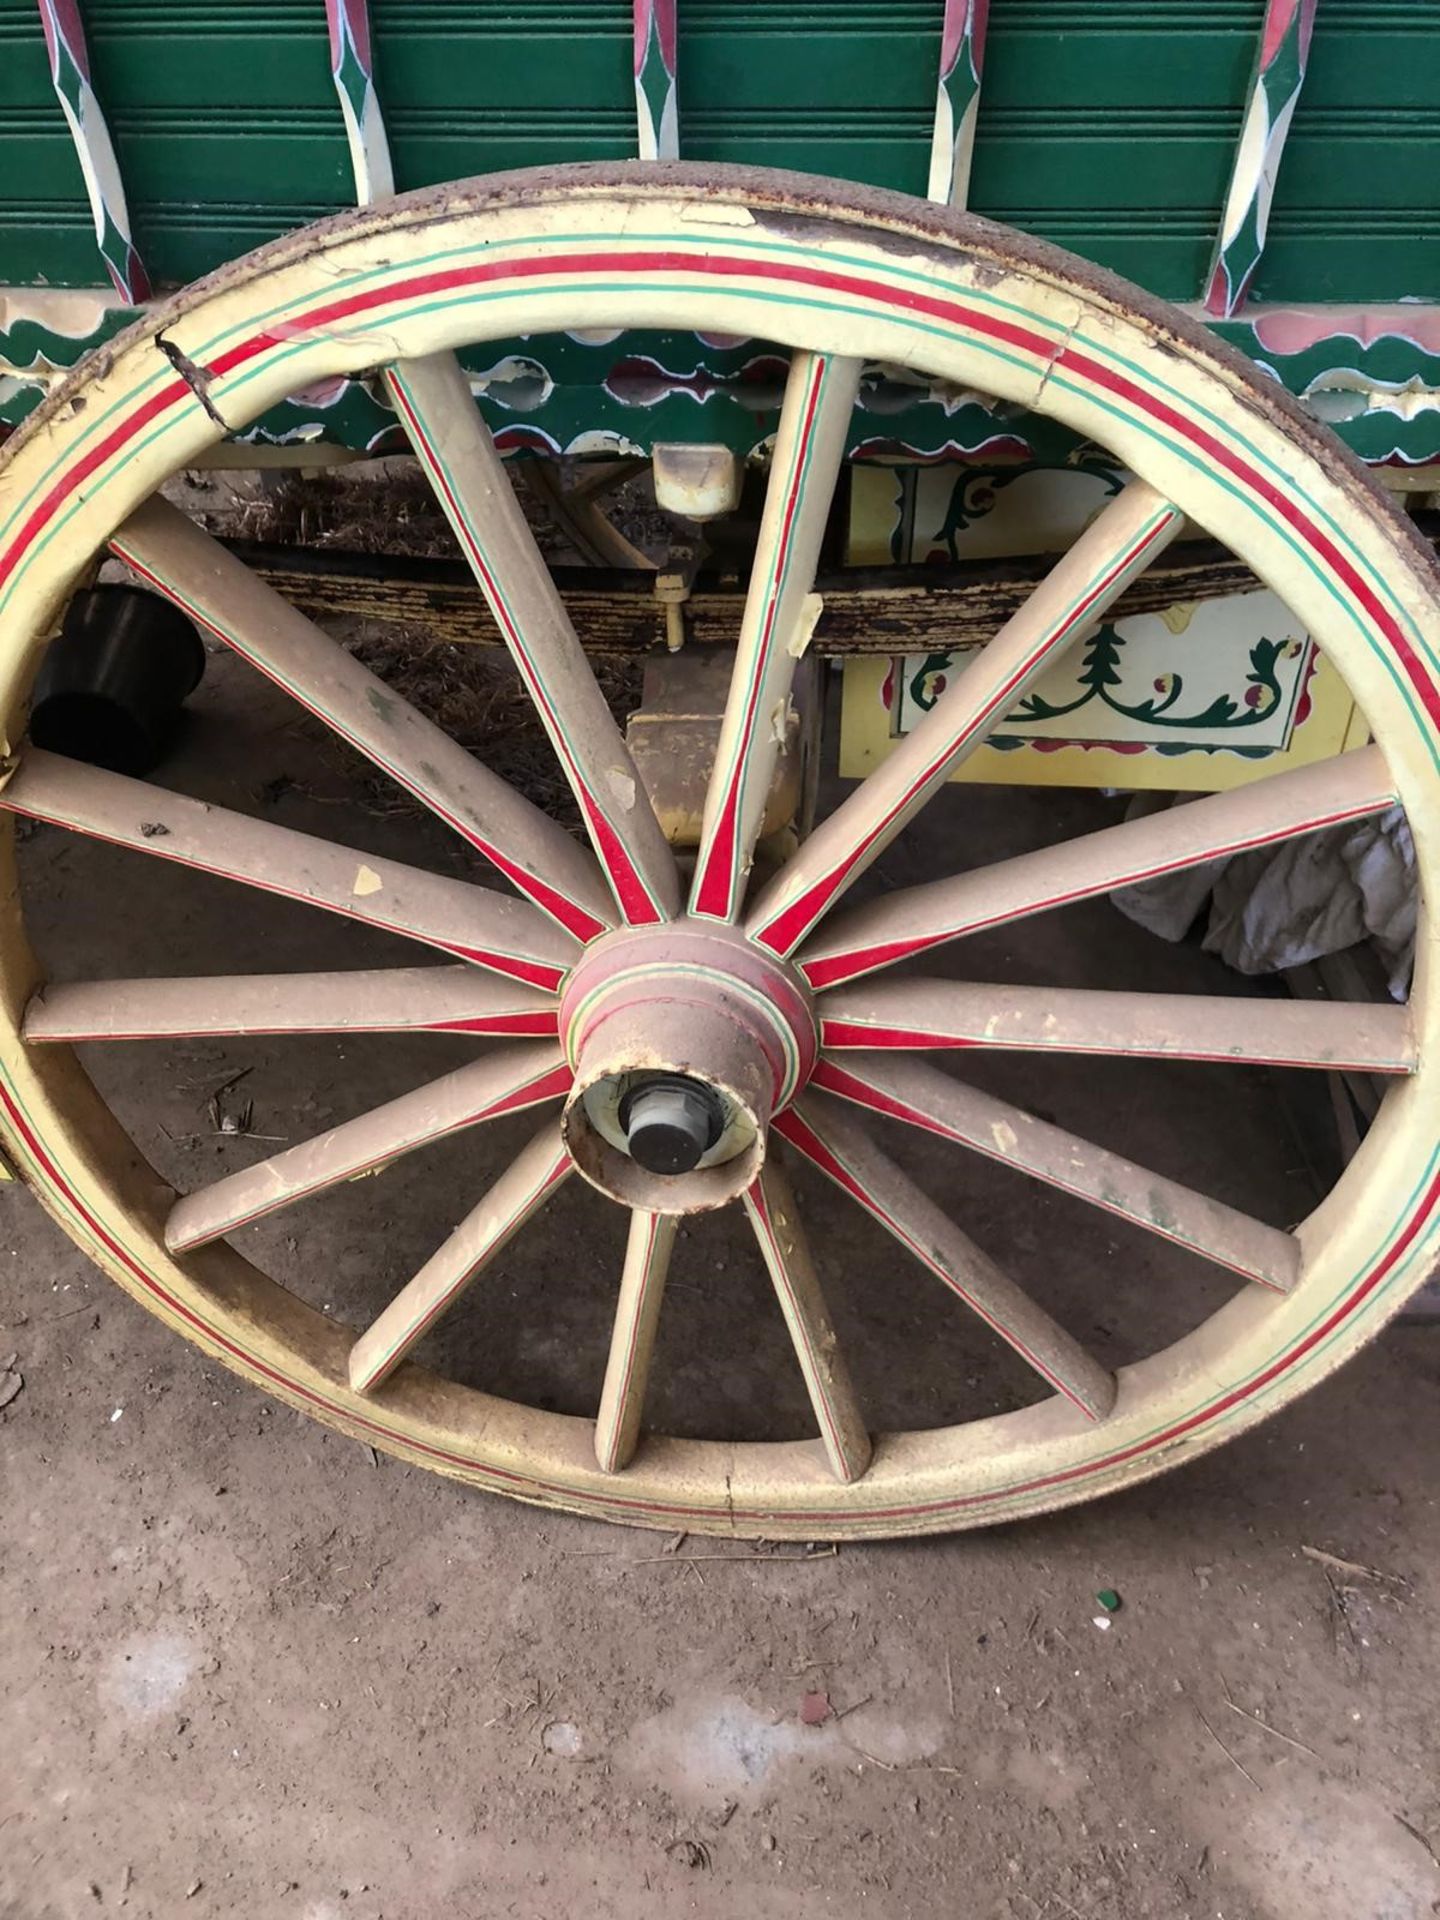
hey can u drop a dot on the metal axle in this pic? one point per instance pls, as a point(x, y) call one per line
point(671, 1123)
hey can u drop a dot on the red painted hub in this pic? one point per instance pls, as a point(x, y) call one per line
point(702, 964)
point(694, 1007)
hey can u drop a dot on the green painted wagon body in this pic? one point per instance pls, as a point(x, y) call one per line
point(1116, 131)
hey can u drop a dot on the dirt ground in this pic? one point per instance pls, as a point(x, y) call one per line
point(249, 1668)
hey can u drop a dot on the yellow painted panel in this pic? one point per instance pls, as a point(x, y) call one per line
point(1332, 726)
point(1191, 659)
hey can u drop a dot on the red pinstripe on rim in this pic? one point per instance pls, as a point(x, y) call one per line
point(644, 264)
point(360, 1415)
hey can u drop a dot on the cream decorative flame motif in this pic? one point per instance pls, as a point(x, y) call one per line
point(957, 103)
point(352, 67)
point(70, 74)
point(657, 111)
point(1274, 91)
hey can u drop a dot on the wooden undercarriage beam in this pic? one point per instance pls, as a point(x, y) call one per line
point(867, 610)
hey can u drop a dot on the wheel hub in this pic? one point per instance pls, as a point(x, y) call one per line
point(685, 1039)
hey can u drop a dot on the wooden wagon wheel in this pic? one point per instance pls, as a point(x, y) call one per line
point(679, 1039)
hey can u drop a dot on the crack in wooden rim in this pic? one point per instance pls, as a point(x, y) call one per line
point(1108, 362)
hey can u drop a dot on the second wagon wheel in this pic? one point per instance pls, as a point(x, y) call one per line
point(679, 1043)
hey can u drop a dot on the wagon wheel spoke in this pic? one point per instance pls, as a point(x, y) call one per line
point(912, 1090)
point(809, 447)
point(518, 1194)
point(506, 936)
point(378, 1000)
point(907, 922)
point(770, 1204)
point(1339, 1036)
point(1118, 546)
point(433, 399)
point(166, 549)
point(826, 1134)
point(506, 1081)
point(632, 1339)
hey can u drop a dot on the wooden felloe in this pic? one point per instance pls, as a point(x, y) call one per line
point(750, 1006)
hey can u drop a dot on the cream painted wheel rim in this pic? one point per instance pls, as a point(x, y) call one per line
point(840, 274)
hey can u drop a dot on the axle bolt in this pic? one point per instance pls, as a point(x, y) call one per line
point(671, 1123)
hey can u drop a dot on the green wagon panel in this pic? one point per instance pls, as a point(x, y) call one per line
point(1110, 130)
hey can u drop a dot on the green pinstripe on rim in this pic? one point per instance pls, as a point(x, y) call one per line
point(981, 297)
point(1397, 1240)
point(767, 248)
